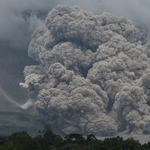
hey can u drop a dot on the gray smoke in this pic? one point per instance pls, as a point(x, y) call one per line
point(93, 74)
point(27, 105)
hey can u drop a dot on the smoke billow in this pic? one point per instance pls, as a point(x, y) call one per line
point(93, 74)
point(27, 105)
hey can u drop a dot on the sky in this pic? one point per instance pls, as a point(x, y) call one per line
point(16, 31)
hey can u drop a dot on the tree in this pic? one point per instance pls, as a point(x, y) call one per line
point(115, 143)
point(48, 135)
point(46, 139)
point(70, 146)
point(91, 138)
point(132, 144)
point(7, 146)
point(74, 138)
point(3, 139)
point(98, 145)
point(12, 136)
point(23, 142)
point(58, 141)
point(47, 128)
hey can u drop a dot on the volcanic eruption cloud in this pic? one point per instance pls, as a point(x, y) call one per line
point(93, 72)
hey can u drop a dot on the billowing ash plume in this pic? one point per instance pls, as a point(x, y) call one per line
point(93, 74)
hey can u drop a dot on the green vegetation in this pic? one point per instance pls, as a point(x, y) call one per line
point(48, 140)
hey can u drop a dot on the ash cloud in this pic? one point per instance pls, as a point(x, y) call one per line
point(135, 10)
point(93, 72)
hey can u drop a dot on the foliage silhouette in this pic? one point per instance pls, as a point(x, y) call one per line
point(48, 140)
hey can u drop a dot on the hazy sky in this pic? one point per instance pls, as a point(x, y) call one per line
point(17, 31)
